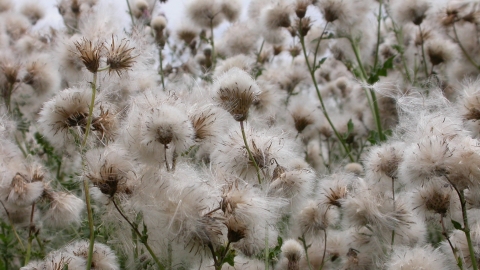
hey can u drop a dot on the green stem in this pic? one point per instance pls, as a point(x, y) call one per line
point(423, 52)
point(30, 237)
point(324, 250)
point(91, 227)
point(267, 249)
point(394, 209)
point(160, 56)
point(379, 20)
point(13, 226)
point(212, 43)
point(250, 153)
point(90, 111)
point(318, 44)
point(130, 12)
point(260, 51)
point(466, 227)
point(469, 58)
point(319, 95)
point(372, 98)
point(143, 239)
point(305, 247)
point(444, 233)
point(466, 230)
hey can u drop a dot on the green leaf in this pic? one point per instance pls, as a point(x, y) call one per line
point(375, 76)
point(229, 257)
point(457, 225)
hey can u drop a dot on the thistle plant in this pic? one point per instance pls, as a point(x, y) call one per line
point(357, 147)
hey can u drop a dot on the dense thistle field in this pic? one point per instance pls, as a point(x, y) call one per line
point(348, 141)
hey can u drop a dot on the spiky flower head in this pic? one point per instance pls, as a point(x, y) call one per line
point(90, 53)
point(236, 91)
point(120, 58)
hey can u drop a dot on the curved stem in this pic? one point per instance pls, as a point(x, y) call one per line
point(379, 20)
point(319, 95)
point(13, 227)
point(250, 153)
point(30, 237)
point(160, 57)
point(372, 98)
point(260, 51)
point(90, 111)
point(466, 227)
point(444, 233)
point(130, 12)
point(212, 42)
point(423, 51)
point(469, 58)
point(324, 250)
point(90, 224)
point(142, 238)
point(318, 43)
point(305, 247)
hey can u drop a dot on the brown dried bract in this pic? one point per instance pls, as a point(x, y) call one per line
point(90, 54)
point(120, 57)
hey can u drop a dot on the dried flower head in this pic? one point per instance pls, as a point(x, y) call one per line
point(302, 118)
point(90, 53)
point(64, 209)
point(410, 11)
point(293, 252)
point(120, 58)
point(436, 197)
point(10, 69)
point(110, 171)
point(331, 9)
point(301, 8)
point(303, 25)
point(236, 92)
point(440, 51)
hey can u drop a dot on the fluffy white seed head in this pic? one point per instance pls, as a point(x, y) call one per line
point(236, 91)
point(205, 13)
point(426, 257)
point(65, 209)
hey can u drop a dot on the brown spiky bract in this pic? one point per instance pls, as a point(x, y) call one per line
point(237, 102)
point(120, 58)
point(89, 53)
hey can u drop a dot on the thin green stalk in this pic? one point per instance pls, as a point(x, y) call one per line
point(373, 102)
point(212, 42)
point(250, 153)
point(130, 12)
point(13, 226)
point(267, 250)
point(143, 239)
point(324, 250)
point(466, 226)
point(85, 181)
point(423, 51)
point(160, 56)
point(260, 51)
point(42, 248)
point(30, 237)
point(91, 227)
point(8, 98)
point(379, 20)
point(469, 58)
point(319, 95)
point(394, 209)
point(466, 230)
point(305, 247)
point(318, 44)
point(90, 111)
point(444, 233)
